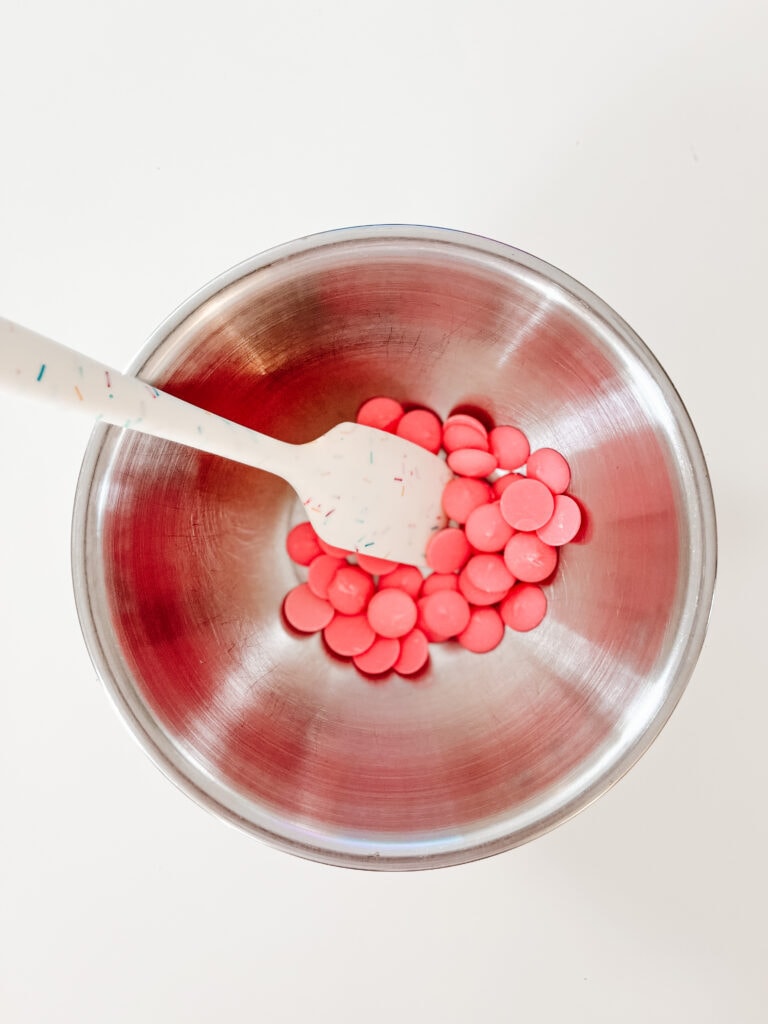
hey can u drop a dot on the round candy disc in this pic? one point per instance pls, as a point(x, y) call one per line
point(447, 550)
point(423, 625)
point(459, 435)
point(305, 611)
point(321, 571)
point(414, 653)
point(484, 632)
point(476, 596)
point(524, 607)
point(423, 428)
point(510, 446)
point(527, 504)
point(489, 573)
point(392, 613)
point(349, 635)
point(350, 590)
point(528, 558)
point(302, 544)
point(439, 581)
point(375, 566)
point(382, 413)
point(462, 495)
point(380, 656)
point(503, 482)
point(487, 529)
point(564, 524)
point(466, 420)
point(551, 468)
point(446, 612)
point(405, 577)
point(472, 462)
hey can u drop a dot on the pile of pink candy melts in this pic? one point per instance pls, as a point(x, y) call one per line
point(508, 516)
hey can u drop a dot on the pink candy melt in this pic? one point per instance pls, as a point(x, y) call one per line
point(424, 627)
point(504, 540)
point(550, 468)
point(484, 632)
point(405, 577)
point(439, 581)
point(414, 653)
point(487, 529)
point(503, 482)
point(305, 611)
point(524, 607)
point(466, 420)
point(350, 590)
point(349, 635)
point(489, 573)
point(445, 613)
point(527, 505)
point(302, 544)
point(423, 428)
point(392, 613)
point(321, 571)
point(529, 559)
point(472, 462)
point(448, 550)
point(459, 435)
point(376, 566)
point(382, 413)
point(380, 656)
point(564, 524)
point(476, 595)
point(462, 496)
point(510, 446)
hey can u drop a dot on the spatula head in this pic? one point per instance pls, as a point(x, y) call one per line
point(374, 492)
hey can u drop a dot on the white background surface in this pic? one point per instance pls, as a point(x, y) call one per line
point(148, 146)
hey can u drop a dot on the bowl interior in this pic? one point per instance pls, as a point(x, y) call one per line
point(181, 568)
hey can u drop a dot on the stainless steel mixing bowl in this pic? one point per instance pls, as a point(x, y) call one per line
point(180, 568)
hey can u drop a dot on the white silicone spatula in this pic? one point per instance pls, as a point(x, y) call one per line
point(362, 489)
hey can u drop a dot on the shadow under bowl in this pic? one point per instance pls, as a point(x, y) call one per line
point(180, 567)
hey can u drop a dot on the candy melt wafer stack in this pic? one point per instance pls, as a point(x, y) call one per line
point(509, 514)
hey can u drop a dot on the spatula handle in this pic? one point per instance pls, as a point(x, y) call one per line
point(36, 366)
